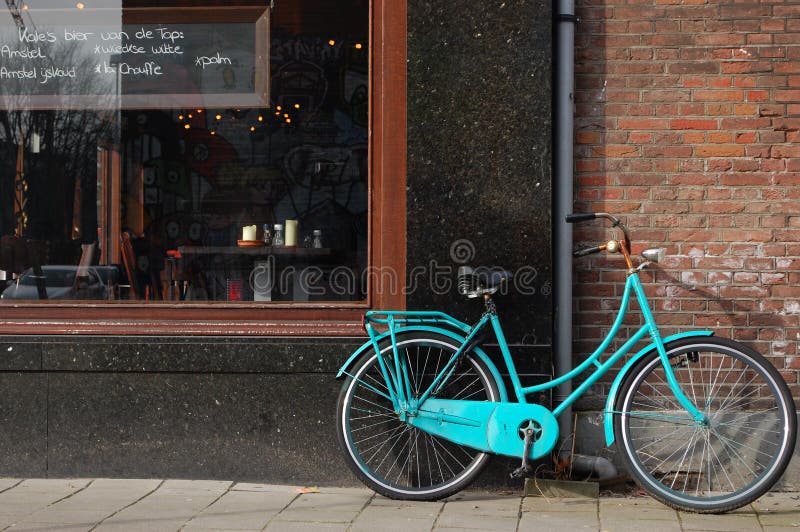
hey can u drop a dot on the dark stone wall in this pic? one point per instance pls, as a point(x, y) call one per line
point(263, 409)
point(251, 409)
point(479, 156)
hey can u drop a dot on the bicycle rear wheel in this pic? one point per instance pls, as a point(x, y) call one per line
point(711, 467)
point(392, 457)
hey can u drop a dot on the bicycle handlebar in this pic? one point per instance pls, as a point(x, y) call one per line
point(615, 222)
point(582, 217)
point(588, 251)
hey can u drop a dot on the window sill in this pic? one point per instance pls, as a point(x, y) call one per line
point(154, 327)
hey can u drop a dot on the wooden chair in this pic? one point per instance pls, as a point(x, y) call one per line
point(129, 263)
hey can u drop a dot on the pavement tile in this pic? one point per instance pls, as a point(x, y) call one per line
point(54, 484)
point(721, 523)
point(331, 501)
point(267, 488)
point(391, 519)
point(55, 515)
point(247, 509)
point(318, 516)
point(777, 500)
point(284, 526)
point(195, 485)
point(558, 506)
point(413, 509)
point(6, 483)
point(380, 500)
point(477, 522)
point(780, 518)
point(624, 510)
point(48, 527)
point(141, 525)
point(558, 521)
point(477, 503)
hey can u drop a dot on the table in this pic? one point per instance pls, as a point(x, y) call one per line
point(268, 265)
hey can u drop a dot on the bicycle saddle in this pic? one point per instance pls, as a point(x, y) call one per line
point(473, 282)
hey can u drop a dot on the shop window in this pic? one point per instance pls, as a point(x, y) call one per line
point(197, 154)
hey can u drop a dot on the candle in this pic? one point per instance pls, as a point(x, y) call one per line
point(291, 233)
point(249, 232)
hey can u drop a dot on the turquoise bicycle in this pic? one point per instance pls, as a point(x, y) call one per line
point(704, 424)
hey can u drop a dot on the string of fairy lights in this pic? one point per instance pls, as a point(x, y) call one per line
point(283, 114)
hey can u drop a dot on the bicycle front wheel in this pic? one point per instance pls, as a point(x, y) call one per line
point(724, 463)
point(389, 455)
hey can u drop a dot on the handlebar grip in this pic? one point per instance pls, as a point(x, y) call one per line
point(588, 251)
point(582, 217)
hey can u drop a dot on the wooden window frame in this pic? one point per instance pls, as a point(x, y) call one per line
point(387, 238)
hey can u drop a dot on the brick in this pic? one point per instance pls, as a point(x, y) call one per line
point(739, 11)
point(789, 67)
point(757, 96)
point(699, 67)
point(719, 109)
point(746, 138)
point(785, 151)
point(719, 39)
point(771, 110)
point(745, 81)
point(745, 277)
point(718, 95)
point(640, 137)
point(773, 24)
point(745, 109)
point(739, 179)
point(588, 137)
point(745, 123)
point(787, 95)
point(719, 151)
point(687, 123)
point(615, 151)
point(746, 165)
point(693, 235)
point(747, 67)
point(720, 137)
point(751, 292)
point(642, 123)
point(720, 165)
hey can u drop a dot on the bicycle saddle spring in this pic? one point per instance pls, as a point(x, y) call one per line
point(467, 282)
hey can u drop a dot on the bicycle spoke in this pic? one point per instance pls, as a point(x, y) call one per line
point(734, 455)
point(394, 456)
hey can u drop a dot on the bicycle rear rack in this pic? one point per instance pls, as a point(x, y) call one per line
point(394, 319)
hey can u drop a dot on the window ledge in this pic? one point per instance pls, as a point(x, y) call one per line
point(133, 327)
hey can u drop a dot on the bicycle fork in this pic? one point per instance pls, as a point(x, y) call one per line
point(674, 385)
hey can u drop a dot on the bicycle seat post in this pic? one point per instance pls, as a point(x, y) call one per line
point(489, 304)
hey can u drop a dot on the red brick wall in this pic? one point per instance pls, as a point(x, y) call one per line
point(688, 125)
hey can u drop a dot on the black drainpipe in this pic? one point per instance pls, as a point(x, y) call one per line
point(563, 127)
point(563, 131)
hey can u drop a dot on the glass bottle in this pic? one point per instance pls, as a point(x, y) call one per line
point(317, 242)
point(277, 239)
point(267, 235)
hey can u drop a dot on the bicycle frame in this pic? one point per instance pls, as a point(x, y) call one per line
point(405, 405)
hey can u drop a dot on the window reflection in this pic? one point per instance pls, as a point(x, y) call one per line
point(112, 202)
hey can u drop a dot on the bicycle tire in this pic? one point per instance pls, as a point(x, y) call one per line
point(388, 455)
point(706, 468)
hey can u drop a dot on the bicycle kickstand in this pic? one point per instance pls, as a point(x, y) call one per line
point(525, 468)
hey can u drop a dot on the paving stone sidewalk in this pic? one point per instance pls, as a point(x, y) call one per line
point(66, 505)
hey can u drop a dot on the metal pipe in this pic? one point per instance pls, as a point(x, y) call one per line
point(563, 128)
point(596, 466)
point(563, 125)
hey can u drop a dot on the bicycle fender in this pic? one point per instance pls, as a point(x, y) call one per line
point(608, 413)
point(423, 328)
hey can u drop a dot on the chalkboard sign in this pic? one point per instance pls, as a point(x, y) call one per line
point(143, 58)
